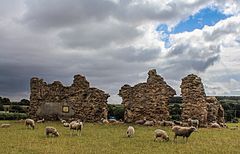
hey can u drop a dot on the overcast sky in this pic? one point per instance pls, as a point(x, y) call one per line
point(116, 42)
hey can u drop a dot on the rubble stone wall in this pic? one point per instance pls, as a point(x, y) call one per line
point(147, 100)
point(215, 110)
point(76, 101)
point(194, 100)
point(196, 105)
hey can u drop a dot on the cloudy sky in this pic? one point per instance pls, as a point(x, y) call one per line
point(116, 42)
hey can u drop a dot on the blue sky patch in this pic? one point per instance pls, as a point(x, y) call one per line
point(207, 16)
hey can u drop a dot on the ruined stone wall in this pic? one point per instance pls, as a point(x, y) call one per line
point(194, 100)
point(84, 102)
point(215, 110)
point(149, 99)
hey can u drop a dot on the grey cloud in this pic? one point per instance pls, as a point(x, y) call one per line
point(52, 14)
point(98, 35)
point(131, 54)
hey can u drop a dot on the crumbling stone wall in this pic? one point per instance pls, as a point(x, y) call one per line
point(215, 110)
point(84, 102)
point(149, 99)
point(194, 100)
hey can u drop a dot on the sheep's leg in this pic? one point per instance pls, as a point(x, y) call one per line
point(175, 138)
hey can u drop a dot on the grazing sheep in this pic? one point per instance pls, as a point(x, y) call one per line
point(194, 122)
point(149, 123)
point(41, 121)
point(161, 134)
point(130, 131)
point(76, 125)
point(166, 123)
point(66, 124)
point(51, 131)
point(177, 122)
point(185, 132)
point(215, 125)
point(5, 125)
point(30, 122)
point(141, 122)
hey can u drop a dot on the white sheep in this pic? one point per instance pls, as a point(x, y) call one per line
point(130, 131)
point(41, 121)
point(30, 122)
point(149, 123)
point(104, 121)
point(193, 122)
point(51, 131)
point(76, 125)
point(185, 132)
point(161, 134)
point(5, 125)
point(66, 124)
point(215, 125)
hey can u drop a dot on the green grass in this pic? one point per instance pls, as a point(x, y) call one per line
point(101, 139)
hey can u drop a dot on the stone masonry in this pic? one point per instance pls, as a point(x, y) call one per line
point(147, 100)
point(215, 110)
point(194, 100)
point(80, 101)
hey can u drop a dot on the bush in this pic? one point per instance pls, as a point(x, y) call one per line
point(12, 116)
point(17, 108)
point(116, 111)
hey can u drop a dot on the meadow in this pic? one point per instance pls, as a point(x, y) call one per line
point(101, 139)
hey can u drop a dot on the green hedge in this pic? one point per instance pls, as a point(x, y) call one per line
point(12, 116)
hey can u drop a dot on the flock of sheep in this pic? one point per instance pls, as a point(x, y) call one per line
point(179, 128)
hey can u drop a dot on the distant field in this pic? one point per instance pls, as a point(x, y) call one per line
point(101, 139)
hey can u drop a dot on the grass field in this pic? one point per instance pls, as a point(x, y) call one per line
point(101, 139)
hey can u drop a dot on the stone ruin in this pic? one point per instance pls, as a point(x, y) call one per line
point(148, 99)
point(215, 110)
point(196, 105)
point(54, 101)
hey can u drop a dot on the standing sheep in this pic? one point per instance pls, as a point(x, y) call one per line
point(30, 122)
point(194, 123)
point(185, 132)
point(76, 125)
point(130, 131)
point(161, 134)
point(51, 131)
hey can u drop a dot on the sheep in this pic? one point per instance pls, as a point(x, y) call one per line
point(130, 131)
point(166, 123)
point(185, 132)
point(104, 121)
point(161, 134)
point(194, 123)
point(41, 121)
point(112, 121)
point(76, 125)
point(185, 124)
point(215, 125)
point(30, 122)
point(149, 123)
point(141, 122)
point(177, 122)
point(66, 124)
point(51, 131)
point(5, 125)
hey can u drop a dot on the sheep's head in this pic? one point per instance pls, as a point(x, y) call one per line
point(193, 129)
